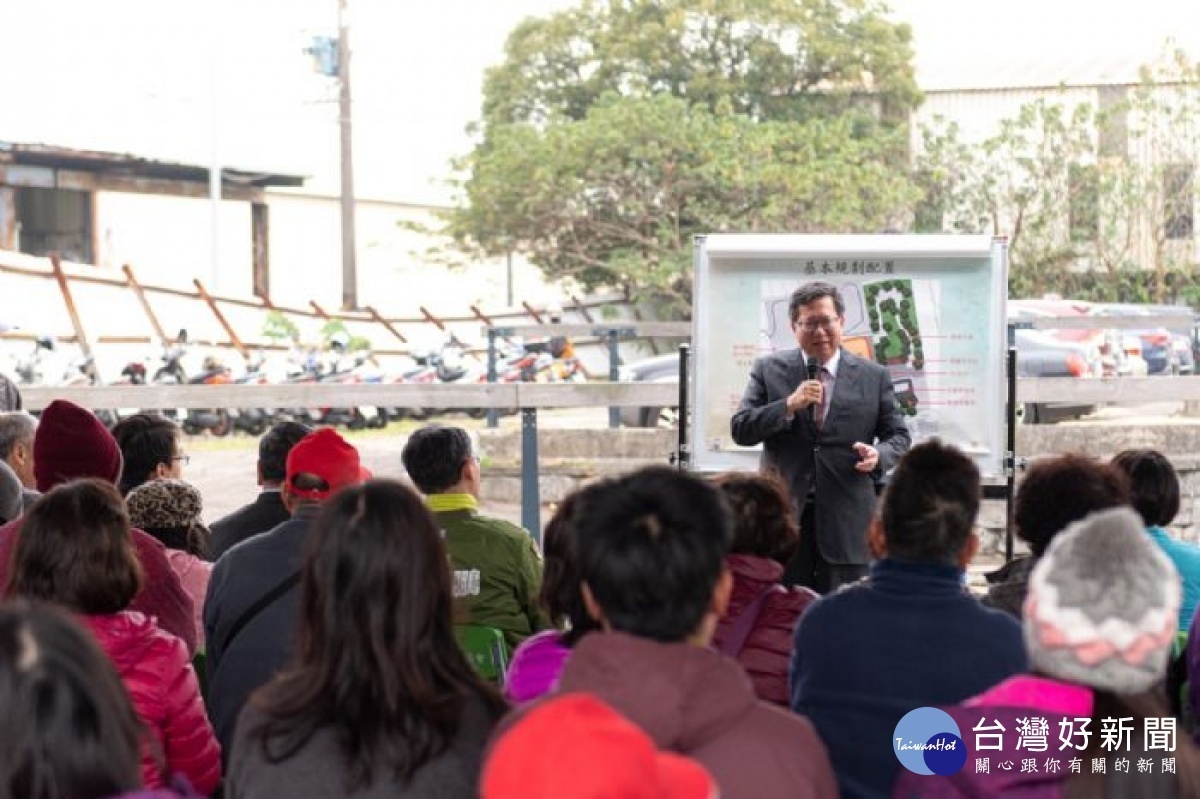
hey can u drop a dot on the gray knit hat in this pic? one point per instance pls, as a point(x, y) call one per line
point(1103, 605)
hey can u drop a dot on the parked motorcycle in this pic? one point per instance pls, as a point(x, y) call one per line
point(253, 421)
point(214, 420)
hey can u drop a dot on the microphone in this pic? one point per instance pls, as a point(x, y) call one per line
point(810, 366)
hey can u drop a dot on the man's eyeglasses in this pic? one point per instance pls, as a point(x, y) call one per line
point(813, 322)
point(184, 459)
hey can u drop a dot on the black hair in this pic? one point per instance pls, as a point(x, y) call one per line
point(559, 595)
point(930, 505)
point(377, 660)
point(1153, 484)
point(434, 456)
point(68, 726)
point(75, 549)
point(652, 545)
point(146, 440)
point(811, 292)
point(1063, 489)
point(274, 446)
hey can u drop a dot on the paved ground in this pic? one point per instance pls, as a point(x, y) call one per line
point(224, 468)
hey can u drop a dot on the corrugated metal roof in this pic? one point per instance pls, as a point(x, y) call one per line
point(135, 166)
point(1045, 71)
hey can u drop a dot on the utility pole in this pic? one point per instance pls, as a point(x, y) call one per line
point(214, 167)
point(349, 263)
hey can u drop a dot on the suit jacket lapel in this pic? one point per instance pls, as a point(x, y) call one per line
point(797, 373)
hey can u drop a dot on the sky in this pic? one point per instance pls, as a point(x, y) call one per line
point(193, 81)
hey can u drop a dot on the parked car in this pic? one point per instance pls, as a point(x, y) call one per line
point(1040, 354)
point(659, 369)
point(1120, 354)
point(1166, 352)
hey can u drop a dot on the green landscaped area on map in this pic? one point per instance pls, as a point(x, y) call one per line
point(894, 323)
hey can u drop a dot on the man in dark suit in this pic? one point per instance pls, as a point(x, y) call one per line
point(267, 510)
point(830, 435)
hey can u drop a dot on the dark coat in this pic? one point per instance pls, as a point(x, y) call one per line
point(696, 702)
point(1008, 585)
point(247, 573)
point(266, 512)
point(909, 636)
point(862, 408)
point(317, 770)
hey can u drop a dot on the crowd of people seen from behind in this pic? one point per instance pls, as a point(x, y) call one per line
point(322, 640)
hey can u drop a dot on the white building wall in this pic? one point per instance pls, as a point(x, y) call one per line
point(978, 113)
point(167, 242)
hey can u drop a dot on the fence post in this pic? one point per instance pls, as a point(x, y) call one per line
point(683, 449)
point(614, 360)
point(493, 415)
point(531, 502)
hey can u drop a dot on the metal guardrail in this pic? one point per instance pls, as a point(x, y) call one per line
point(1113, 390)
point(535, 395)
point(1168, 321)
point(626, 327)
point(335, 395)
point(610, 333)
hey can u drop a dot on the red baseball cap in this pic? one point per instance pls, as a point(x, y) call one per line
point(576, 746)
point(327, 455)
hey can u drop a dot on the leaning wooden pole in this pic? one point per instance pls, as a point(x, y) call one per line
point(319, 311)
point(533, 312)
point(145, 303)
point(212, 304)
point(65, 287)
point(387, 325)
point(583, 311)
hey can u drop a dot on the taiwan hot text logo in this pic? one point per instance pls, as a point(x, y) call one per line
point(928, 741)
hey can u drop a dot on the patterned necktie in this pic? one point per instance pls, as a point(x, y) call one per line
point(826, 394)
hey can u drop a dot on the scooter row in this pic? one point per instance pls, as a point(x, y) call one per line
point(331, 365)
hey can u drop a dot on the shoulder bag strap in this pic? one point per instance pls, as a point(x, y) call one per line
point(743, 623)
point(265, 601)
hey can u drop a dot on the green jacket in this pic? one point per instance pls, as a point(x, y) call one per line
point(496, 572)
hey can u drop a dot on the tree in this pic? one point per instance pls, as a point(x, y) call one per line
point(615, 132)
point(1095, 204)
point(1015, 183)
point(1163, 128)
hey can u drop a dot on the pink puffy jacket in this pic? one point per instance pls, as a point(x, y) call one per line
point(768, 649)
point(155, 669)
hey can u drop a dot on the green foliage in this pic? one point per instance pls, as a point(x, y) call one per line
point(615, 132)
point(1091, 201)
point(766, 59)
point(279, 327)
point(333, 327)
point(1014, 183)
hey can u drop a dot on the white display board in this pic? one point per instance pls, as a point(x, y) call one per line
point(931, 308)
